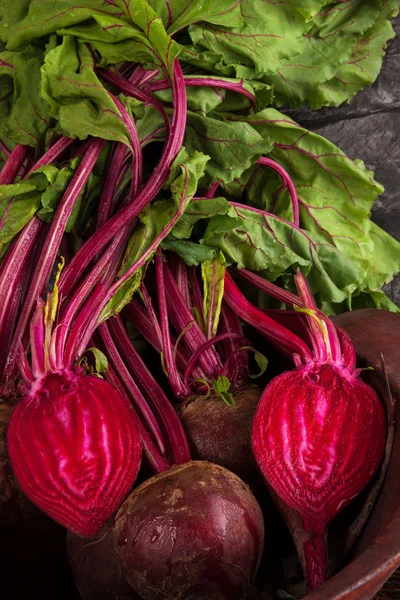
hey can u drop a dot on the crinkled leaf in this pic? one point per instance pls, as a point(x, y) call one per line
point(29, 20)
point(207, 99)
point(232, 146)
point(191, 253)
point(177, 14)
point(327, 46)
point(6, 89)
point(76, 96)
point(359, 71)
point(40, 195)
point(354, 17)
point(19, 212)
point(213, 275)
point(308, 8)
point(156, 221)
point(335, 195)
point(390, 8)
point(24, 115)
point(269, 244)
point(385, 261)
point(271, 33)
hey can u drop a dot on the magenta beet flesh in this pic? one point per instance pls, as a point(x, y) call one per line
point(75, 449)
point(318, 437)
point(193, 532)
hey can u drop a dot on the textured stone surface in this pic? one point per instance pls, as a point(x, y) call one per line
point(369, 128)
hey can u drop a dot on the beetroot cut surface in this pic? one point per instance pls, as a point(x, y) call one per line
point(75, 449)
point(319, 431)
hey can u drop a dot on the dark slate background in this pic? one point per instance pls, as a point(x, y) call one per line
point(369, 128)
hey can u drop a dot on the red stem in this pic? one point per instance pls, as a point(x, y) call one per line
point(114, 167)
point(140, 403)
point(51, 245)
point(238, 370)
point(14, 271)
point(14, 163)
point(183, 320)
point(130, 211)
point(152, 453)
point(215, 340)
point(315, 559)
point(56, 150)
point(178, 444)
point(180, 390)
point(130, 89)
point(202, 81)
point(286, 341)
point(287, 180)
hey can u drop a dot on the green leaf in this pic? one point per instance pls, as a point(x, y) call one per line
point(262, 362)
point(270, 34)
point(213, 274)
point(6, 89)
point(390, 8)
point(386, 258)
point(337, 244)
point(199, 209)
point(24, 116)
point(19, 211)
point(256, 241)
point(59, 180)
point(327, 46)
point(335, 207)
point(10, 14)
point(156, 221)
point(191, 253)
point(29, 20)
point(100, 360)
point(232, 146)
point(178, 14)
point(161, 48)
point(360, 70)
point(221, 388)
point(76, 96)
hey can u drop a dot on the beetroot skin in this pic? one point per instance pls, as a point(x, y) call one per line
point(192, 532)
point(95, 568)
point(75, 449)
point(220, 433)
point(9, 492)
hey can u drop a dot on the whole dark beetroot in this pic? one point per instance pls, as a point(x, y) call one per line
point(9, 492)
point(220, 433)
point(193, 532)
point(95, 568)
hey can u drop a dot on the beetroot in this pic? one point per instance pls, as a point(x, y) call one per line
point(74, 449)
point(9, 493)
point(96, 570)
point(194, 531)
point(220, 433)
point(319, 431)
